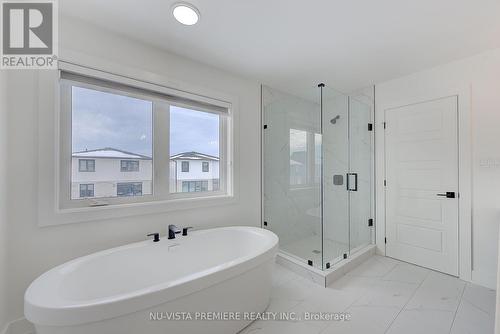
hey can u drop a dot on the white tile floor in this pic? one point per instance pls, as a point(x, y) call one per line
point(383, 296)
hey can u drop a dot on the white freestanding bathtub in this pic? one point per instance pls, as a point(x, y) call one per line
point(205, 282)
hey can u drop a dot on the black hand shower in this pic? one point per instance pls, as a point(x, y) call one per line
point(334, 120)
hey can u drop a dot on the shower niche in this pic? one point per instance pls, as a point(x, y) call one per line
point(317, 174)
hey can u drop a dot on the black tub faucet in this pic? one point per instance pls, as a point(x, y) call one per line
point(185, 230)
point(172, 231)
point(156, 236)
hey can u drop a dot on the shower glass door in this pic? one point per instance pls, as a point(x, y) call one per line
point(335, 129)
point(360, 165)
point(292, 172)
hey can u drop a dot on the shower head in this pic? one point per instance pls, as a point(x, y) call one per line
point(334, 120)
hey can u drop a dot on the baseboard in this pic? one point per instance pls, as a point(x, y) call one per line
point(483, 278)
point(19, 326)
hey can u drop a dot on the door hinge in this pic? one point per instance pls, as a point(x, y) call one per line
point(385, 183)
point(385, 125)
point(265, 126)
point(370, 127)
point(370, 222)
point(265, 223)
point(385, 240)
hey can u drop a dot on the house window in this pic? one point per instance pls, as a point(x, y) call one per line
point(129, 189)
point(129, 165)
point(215, 184)
point(115, 126)
point(86, 165)
point(86, 190)
point(205, 166)
point(194, 186)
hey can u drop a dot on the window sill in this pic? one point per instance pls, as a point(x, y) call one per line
point(116, 211)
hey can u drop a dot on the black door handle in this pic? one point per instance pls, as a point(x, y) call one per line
point(448, 194)
point(355, 182)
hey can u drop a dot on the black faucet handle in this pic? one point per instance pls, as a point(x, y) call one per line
point(156, 236)
point(185, 230)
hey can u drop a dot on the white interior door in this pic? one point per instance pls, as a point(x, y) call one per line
point(422, 184)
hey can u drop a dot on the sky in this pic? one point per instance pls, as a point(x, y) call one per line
point(109, 120)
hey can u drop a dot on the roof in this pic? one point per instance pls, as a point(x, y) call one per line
point(109, 152)
point(193, 156)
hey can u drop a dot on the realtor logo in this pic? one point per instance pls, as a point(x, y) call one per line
point(29, 35)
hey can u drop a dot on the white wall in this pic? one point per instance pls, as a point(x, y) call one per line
point(480, 75)
point(3, 192)
point(32, 249)
point(196, 172)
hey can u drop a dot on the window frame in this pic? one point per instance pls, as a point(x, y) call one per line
point(80, 170)
point(133, 183)
point(203, 164)
point(196, 183)
point(128, 161)
point(161, 104)
point(313, 179)
point(185, 163)
point(87, 189)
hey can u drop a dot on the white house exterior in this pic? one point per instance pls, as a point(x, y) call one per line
point(109, 172)
point(193, 172)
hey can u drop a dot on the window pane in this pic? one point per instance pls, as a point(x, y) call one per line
point(317, 157)
point(194, 150)
point(85, 165)
point(111, 134)
point(129, 189)
point(298, 157)
point(129, 165)
point(86, 190)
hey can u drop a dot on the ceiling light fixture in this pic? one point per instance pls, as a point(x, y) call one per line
point(186, 13)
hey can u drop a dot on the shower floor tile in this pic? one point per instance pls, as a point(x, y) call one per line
point(310, 249)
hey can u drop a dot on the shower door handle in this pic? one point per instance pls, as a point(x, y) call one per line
point(348, 181)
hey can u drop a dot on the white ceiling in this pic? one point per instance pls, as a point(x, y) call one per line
point(348, 44)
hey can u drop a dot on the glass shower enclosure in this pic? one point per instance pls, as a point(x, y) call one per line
point(317, 172)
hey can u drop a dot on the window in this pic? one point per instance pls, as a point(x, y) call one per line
point(86, 190)
point(129, 165)
point(86, 165)
point(195, 135)
point(114, 126)
point(116, 129)
point(298, 157)
point(194, 186)
point(305, 158)
point(205, 167)
point(129, 189)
